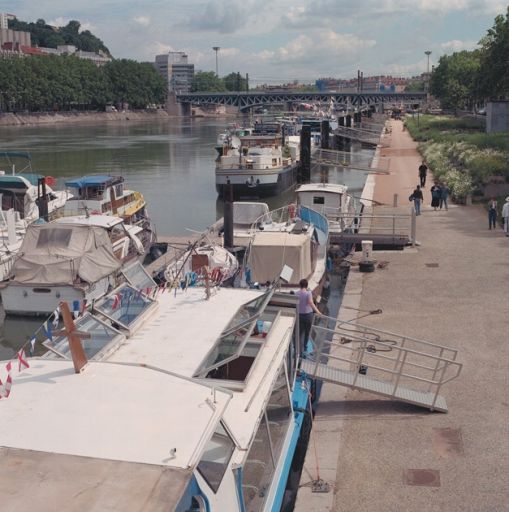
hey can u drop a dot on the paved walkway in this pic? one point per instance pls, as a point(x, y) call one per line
point(364, 442)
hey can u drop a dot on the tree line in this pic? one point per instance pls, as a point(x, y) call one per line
point(466, 78)
point(208, 81)
point(66, 82)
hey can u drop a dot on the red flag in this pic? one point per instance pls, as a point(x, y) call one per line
point(22, 363)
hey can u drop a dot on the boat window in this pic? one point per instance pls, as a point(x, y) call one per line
point(125, 305)
point(216, 457)
point(139, 278)
point(56, 237)
point(279, 411)
point(234, 338)
point(101, 336)
point(258, 469)
point(318, 200)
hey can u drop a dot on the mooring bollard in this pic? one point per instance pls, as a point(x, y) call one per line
point(395, 200)
point(367, 264)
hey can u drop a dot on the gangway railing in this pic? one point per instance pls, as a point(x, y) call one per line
point(389, 364)
point(349, 160)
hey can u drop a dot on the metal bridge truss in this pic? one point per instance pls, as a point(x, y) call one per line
point(246, 100)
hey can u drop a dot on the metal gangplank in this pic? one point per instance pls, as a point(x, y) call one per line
point(348, 160)
point(368, 359)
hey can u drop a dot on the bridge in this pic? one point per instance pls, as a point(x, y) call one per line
point(247, 100)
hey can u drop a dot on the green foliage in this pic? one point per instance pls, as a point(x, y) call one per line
point(50, 37)
point(494, 69)
point(47, 83)
point(459, 153)
point(417, 86)
point(207, 81)
point(235, 82)
point(454, 80)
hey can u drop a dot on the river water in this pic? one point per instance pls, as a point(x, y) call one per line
point(170, 163)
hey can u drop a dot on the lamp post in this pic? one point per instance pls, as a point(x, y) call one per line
point(216, 49)
point(427, 53)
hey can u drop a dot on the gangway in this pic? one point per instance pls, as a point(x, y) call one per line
point(348, 160)
point(381, 362)
point(360, 135)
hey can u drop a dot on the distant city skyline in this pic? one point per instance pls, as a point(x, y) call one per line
point(282, 40)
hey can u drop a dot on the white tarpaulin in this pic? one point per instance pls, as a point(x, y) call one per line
point(60, 254)
point(270, 251)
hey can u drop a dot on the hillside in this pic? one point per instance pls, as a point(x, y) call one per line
point(50, 37)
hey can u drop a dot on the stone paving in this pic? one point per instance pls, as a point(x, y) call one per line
point(367, 446)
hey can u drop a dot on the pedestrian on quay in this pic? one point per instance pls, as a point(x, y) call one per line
point(444, 195)
point(505, 216)
point(305, 307)
point(435, 195)
point(417, 198)
point(423, 171)
point(492, 213)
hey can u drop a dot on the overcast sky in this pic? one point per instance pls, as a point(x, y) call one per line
point(280, 39)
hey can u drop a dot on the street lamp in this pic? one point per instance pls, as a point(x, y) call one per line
point(216, 49)
point(427, 53)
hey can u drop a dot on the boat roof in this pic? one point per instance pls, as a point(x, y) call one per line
point(16, 154)
point(117, 412)
point(24, 180)
point(93, 181)
point(332, 188)
point(102, 221)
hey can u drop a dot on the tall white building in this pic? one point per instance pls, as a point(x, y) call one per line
point(4, 19)
point(175, 69)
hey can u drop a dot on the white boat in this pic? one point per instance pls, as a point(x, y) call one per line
point(292, 236)
point(70, 259)
point(332, 201)
point(11, 237)
point(204, 261)
point(263, 165)
point(179, 404)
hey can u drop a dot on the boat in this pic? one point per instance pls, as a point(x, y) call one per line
point(69, 259)
point(265, 164)
point(330, 200)
point(230, 137)
point(201, 262)
point(287, 245)
point(11, 237)
point(180, 402)
point(107, 195)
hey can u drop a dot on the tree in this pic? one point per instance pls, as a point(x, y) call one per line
point(235, 82)
point(494, 67)
point(454, 80)
point(207, 81)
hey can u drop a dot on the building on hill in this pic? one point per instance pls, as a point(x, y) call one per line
point(177, 72)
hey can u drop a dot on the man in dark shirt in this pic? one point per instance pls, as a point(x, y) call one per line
point(423, 170)
point(417, 198)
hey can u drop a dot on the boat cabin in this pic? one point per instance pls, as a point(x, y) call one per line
point(322, 197)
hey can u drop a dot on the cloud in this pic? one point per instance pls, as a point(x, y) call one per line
point(223, 17)
point(62, 22)
point(456, 45)
point(144, 21)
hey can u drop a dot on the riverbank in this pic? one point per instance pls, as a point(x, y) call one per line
point(451, 290)
point(44, 118)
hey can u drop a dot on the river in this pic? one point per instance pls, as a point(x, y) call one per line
point(170, 163)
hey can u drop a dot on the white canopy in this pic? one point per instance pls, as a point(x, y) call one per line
point(270, 251)
point(56, 254)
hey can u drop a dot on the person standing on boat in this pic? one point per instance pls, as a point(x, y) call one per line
point(306, 308)
point(492, 213)
point(505, 216)
point(417, 198)
point(423, 171)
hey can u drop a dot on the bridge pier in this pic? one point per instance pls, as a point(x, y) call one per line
point(175, 108)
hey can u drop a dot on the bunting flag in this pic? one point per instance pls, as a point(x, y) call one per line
point(5, 390)
point(83, 306)
point(116, 301)
point(56, 317)
point(76, 307)
point(32, 345)
point(22, 363)
point(46, 328)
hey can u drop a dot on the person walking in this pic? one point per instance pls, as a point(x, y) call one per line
point(423, 171)
point(305, 308)
point(435, 195)
point(505, 216)
point(492, 213)
point(417, 198)
point(444, 195)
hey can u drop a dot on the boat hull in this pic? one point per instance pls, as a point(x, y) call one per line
point(255, 183)
point(30, 300)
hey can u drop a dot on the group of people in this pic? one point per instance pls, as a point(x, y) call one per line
point(492, 214)
point(439, 192)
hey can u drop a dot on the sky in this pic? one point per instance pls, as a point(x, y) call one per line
point(279, 40)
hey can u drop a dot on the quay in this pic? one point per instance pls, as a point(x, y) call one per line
point(381, 455)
